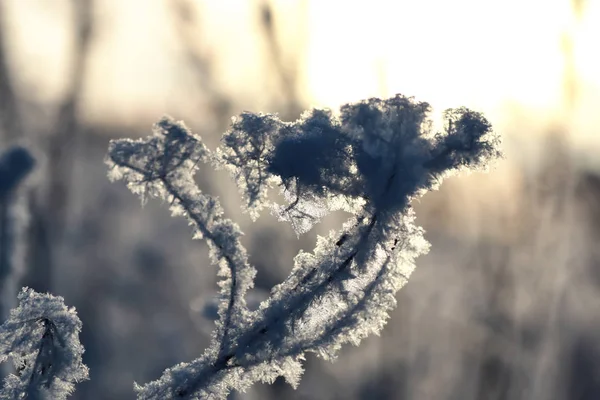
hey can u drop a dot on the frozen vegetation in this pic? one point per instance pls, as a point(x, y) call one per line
point(370, 159)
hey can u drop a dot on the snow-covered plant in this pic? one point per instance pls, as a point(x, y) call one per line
point(41, 336)
point(371, 159)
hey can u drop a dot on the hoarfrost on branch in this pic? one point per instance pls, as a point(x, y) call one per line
point(371, 159)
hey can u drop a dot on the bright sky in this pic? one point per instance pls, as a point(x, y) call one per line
point(483, 54)
point(495, 55)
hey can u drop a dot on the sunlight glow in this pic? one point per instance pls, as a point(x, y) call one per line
point(492, 56)
point(481, 54)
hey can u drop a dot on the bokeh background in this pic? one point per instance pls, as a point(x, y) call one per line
point(505, 306)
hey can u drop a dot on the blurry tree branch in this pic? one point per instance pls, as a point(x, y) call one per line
point(10, 123)
point(571, 81)
point(49, 216)
point(62, 141)
point(285, 70)
point(15, 165)
point(199, 59)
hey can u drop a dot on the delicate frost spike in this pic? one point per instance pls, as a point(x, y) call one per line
point(42, 338)
point(172, 151)
point(245, 146)
point(371, 159)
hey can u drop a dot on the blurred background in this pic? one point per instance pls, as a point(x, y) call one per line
point(505, 306)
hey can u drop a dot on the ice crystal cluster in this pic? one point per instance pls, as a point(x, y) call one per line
point(41, 336)
point(371, 159)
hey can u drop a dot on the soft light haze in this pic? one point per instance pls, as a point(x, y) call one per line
point(497, 56)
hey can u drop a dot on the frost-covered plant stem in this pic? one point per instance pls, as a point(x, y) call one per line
point(41, 337)
point(371, 160)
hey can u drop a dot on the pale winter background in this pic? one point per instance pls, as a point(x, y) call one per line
point(506, 305)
